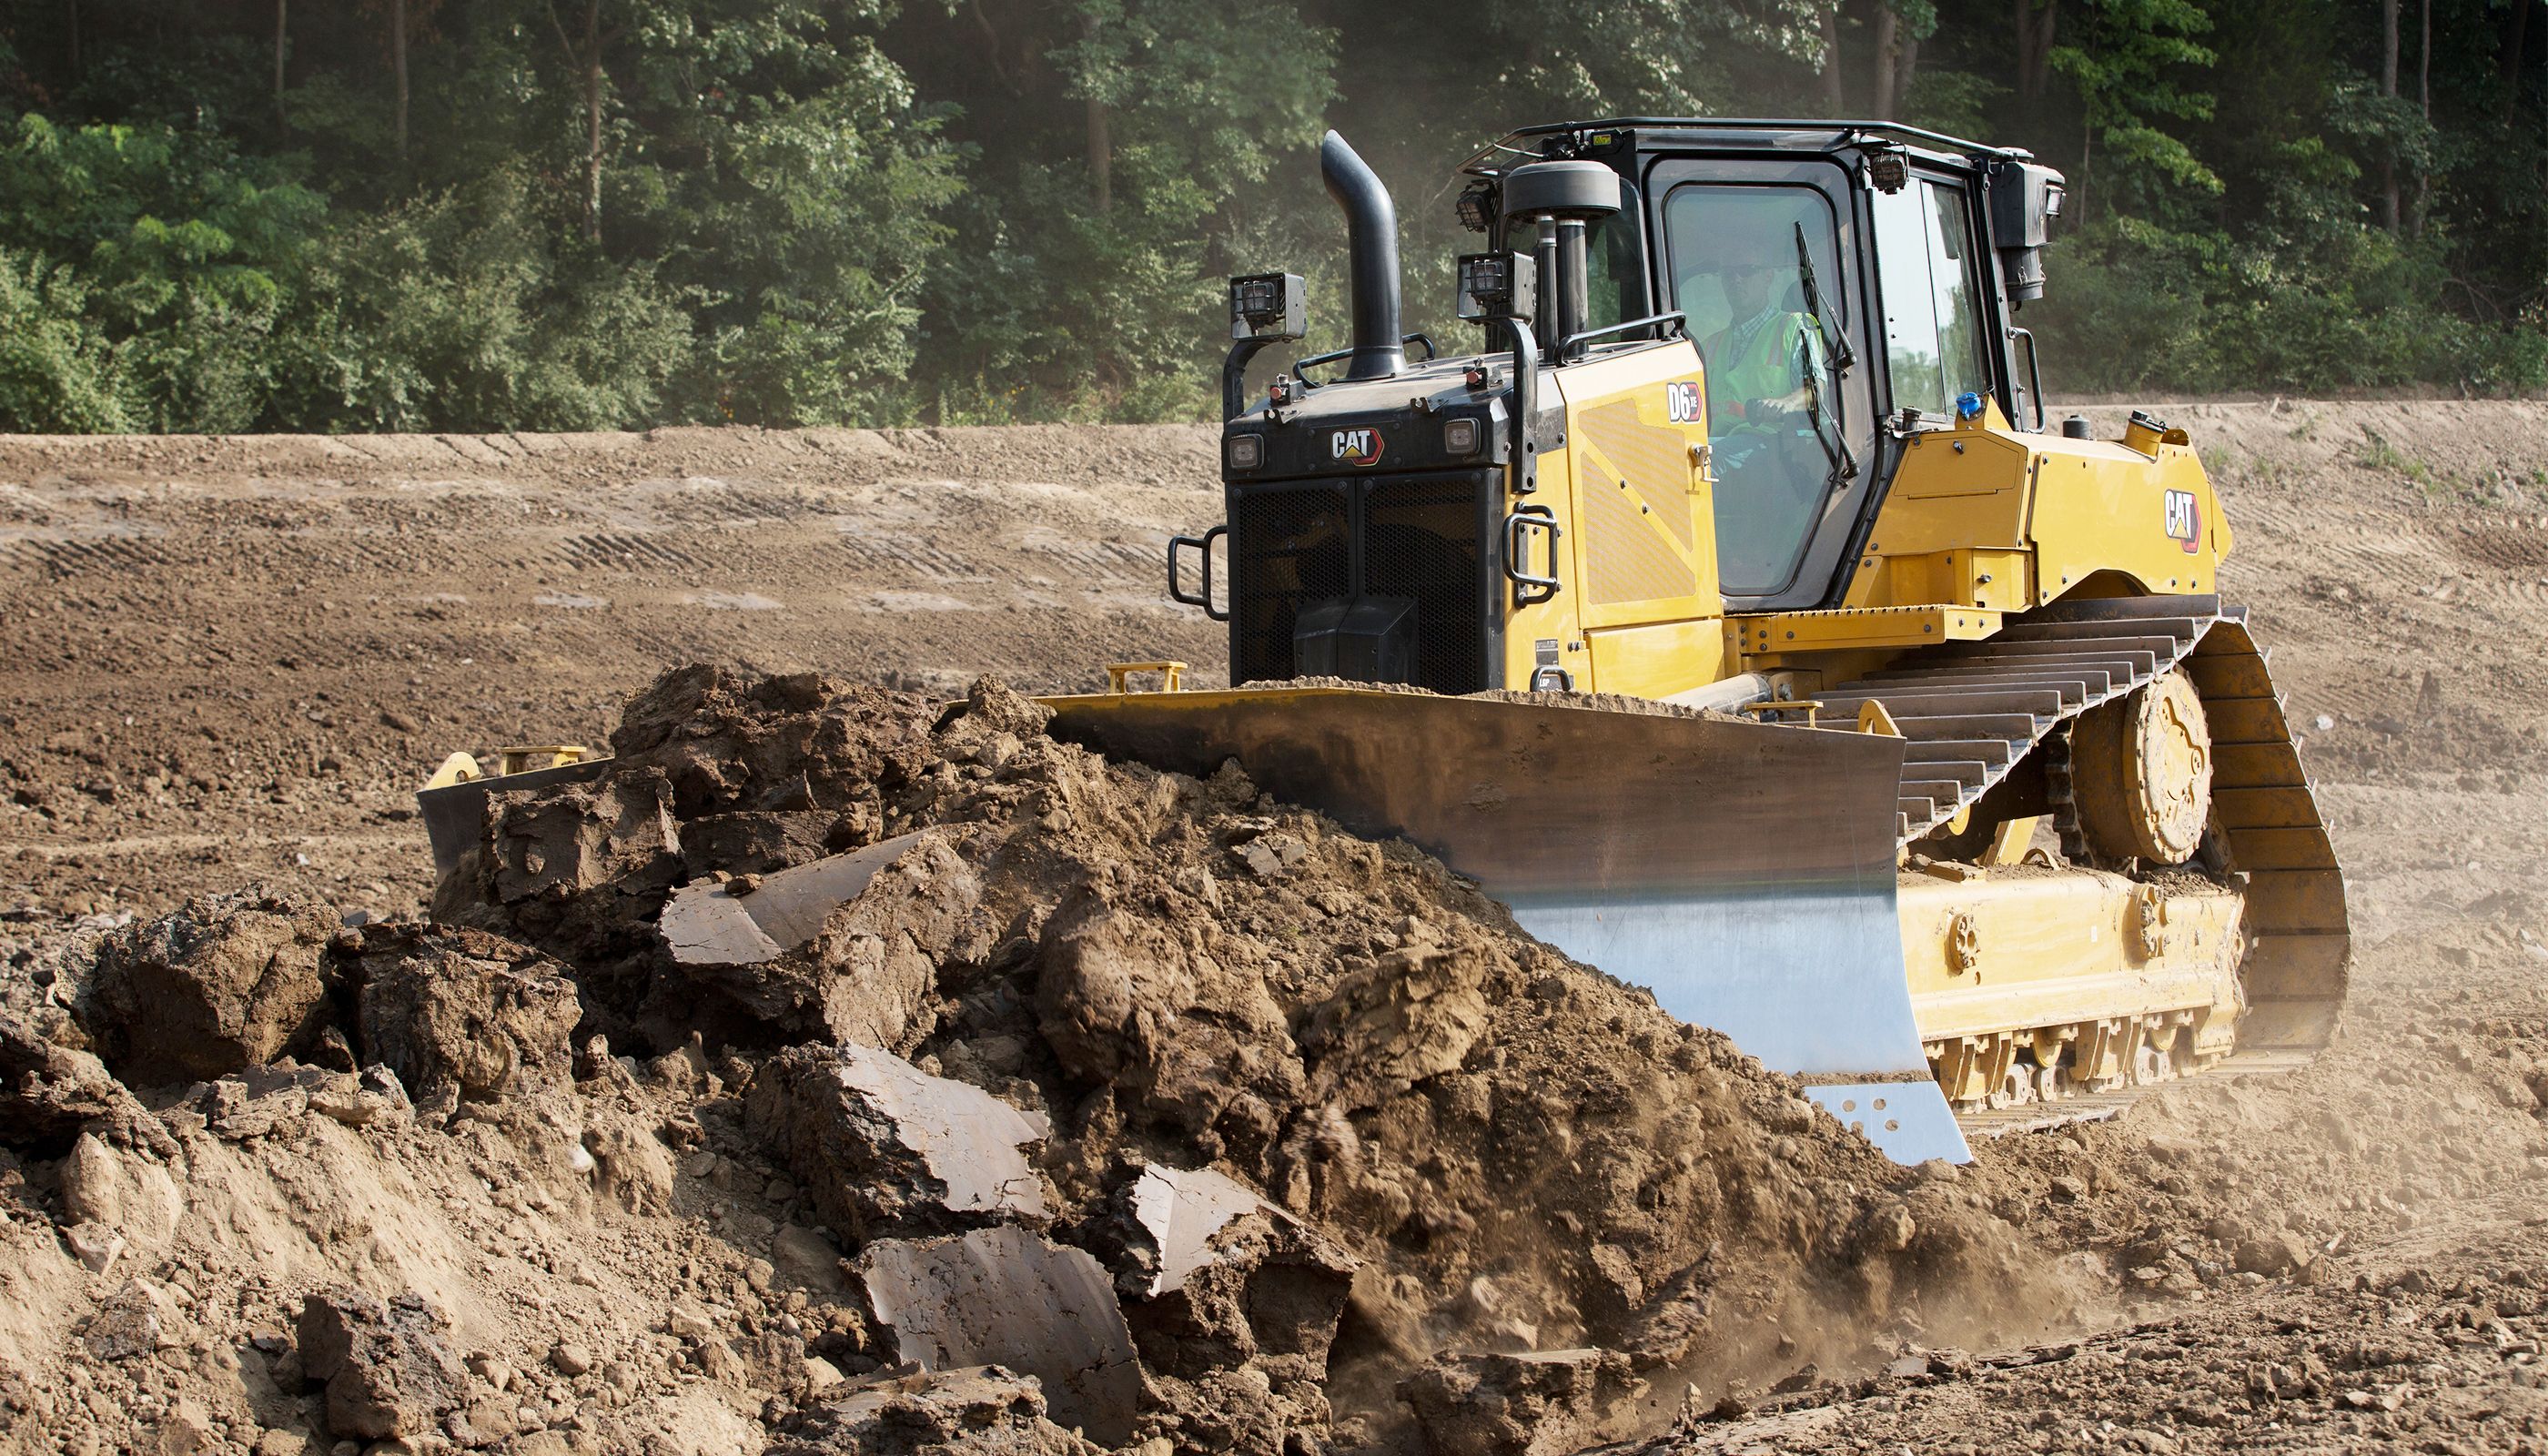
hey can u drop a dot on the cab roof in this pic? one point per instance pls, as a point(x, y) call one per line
point(1536, 143)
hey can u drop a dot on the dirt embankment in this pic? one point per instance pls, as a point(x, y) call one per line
point(876, 1033)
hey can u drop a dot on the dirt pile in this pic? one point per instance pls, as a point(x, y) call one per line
point(835, 1035)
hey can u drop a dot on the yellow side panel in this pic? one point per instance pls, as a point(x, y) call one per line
point(1983, 515)
point(1657, 661)
point(1955, 491)
point(1644, 548)
point(2099, 507)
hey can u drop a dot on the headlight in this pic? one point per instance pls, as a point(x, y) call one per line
point(1245, 452)
point(1460, 437)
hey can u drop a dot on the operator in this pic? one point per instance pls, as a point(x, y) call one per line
point(1757, 363)
point(1762, 369)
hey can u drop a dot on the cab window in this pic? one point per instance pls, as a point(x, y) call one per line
point(1609, 259)
point(1749, 263)
point(1933, 332)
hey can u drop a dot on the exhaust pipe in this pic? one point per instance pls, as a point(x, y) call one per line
point(1371, 232)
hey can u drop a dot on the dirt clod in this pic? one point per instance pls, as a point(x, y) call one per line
point(386, 1369)
point(446, 1006)
point(230, 981)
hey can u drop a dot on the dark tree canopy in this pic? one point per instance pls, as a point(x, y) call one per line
point(344, 215)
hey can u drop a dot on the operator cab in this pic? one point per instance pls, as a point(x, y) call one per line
point(1797, 252)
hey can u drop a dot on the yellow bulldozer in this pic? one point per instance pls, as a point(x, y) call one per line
point(1737, 616)
point(1777, 653)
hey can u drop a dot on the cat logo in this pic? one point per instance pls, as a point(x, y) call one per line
point(2184, 519)
point(1356, 446)
point(1682, 402)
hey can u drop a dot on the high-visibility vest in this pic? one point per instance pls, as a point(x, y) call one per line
point(1766, 364)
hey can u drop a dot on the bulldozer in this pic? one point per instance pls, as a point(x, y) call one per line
point(1737, 616)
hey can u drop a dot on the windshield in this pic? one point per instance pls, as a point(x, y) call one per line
point(1739, 274)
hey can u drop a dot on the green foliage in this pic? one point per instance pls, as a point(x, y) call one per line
point(458, 312)
point(814, 212)
point(57, 373)
point(2130, 72)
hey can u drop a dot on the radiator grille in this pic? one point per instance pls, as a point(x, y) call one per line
point(1420, 540)
point(1286, 547)
point(1422, 537)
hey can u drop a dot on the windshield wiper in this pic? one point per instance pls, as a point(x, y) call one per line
point(1829, 431)
point(1835, 342)
point(1827, 426)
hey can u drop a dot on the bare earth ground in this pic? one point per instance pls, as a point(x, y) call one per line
point(231, 660)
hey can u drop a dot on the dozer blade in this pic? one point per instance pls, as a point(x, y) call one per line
point(1743, 872)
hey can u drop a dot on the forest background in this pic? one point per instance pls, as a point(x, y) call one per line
point(557, 215)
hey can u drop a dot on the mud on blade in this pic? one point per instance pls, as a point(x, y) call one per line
point(1743, 872)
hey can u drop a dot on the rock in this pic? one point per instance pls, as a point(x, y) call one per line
point(629, 1163)
point(577, 870)
point(1412, 1015)
point(121, 1192)
point(571, 1359)
point(51, 1093)
point(485, 1422)
point(2272, 1255)
point(1004, 1297)
point(1134, 1001)
point(1525, 1404)
point(1216, 1277)
point(95, 1246)
point(984, 1410)
point(134, 1321)
point(228, 981)
point(388, 1370)
point(373, 1097)
point(807, 1260)
point(883, 1148)
point(2069, 1188)
point(186, 1430)
point(845, 949)
point(441, 1004)
point(757, 844)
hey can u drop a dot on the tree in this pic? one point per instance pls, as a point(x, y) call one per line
point(1900, 27)
point(2037, 23)
point(2126, 65)
point(584, 55)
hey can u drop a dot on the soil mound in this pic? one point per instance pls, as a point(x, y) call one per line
point(926, 1082)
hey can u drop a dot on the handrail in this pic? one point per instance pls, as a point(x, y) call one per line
point(1590, 335)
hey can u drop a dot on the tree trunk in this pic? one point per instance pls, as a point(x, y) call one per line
point(593, 120)
point(280, 6)
point(2075, 203)
point(1101, 143)
point(2424, 98)
point(398, 70)
point(2035, 27)
point(2517, 39)
point(2388, 212)
point(587, 60)
point(75, 38)
point(1906, 69)
point(1887, 27)
point(1833, 98)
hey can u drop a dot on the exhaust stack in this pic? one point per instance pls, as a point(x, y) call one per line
point(1371, 232)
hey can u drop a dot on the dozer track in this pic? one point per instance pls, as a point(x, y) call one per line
point(1970, 713)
